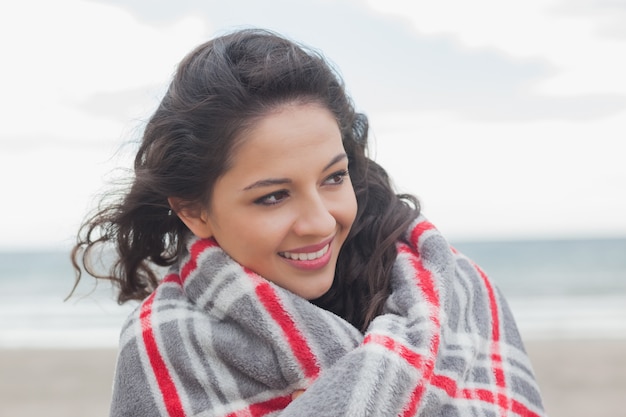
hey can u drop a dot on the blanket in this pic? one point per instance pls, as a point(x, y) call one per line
point(215, 339)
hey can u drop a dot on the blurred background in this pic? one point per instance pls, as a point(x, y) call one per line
point(506, 119)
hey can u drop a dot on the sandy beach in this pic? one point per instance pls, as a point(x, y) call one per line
point(577, 378)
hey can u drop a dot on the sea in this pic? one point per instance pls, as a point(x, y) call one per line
point(557, 289)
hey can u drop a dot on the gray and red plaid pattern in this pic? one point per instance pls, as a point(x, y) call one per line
point(216, 339)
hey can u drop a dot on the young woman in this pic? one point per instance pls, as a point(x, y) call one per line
point(299, 283)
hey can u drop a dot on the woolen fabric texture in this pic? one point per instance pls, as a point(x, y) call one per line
point(216, 339)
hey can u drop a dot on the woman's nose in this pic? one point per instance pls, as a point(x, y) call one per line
point(314, 218)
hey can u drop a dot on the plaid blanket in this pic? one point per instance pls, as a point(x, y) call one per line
point(215, 339)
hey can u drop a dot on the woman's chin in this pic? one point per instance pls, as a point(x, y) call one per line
point(314, 293)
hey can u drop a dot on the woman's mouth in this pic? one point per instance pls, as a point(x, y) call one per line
point(310, 257)
point(301, 256)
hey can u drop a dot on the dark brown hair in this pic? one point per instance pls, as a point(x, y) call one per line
point(219, 90)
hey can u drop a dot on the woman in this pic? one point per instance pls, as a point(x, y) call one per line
point(299, 283)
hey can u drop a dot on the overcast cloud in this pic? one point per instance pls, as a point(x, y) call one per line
point(507, 119)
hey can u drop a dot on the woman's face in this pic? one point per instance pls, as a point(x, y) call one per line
point(286, 205)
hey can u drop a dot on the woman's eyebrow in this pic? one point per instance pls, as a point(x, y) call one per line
point(336, 159)
point(268, 182)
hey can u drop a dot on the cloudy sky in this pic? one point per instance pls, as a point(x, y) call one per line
point(507, 119)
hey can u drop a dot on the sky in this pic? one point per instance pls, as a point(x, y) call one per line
point(506, 119)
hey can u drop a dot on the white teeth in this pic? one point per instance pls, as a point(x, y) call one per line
point(306, 256)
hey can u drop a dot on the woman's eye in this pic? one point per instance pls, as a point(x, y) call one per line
point(337, 177)
point(273, 198)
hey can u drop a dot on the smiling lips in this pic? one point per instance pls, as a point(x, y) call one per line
point(312, 257)
point(306, 256)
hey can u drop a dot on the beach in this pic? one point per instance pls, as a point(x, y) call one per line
point(55, 382)
point(577, 378)
point(581, 378)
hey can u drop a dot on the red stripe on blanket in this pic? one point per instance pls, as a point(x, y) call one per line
point(171, 398)
point(418, 230)
point(196, 249)
point(296, 340)
point(267, 407)
point(413, 358)
point(503, 401)
point(424, 280)
point(450, 386)
point(172, 278)
point(263, 408)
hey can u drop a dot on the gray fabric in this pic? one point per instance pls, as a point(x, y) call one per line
point(215, 339)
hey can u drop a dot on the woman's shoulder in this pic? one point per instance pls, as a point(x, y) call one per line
point(456, 276)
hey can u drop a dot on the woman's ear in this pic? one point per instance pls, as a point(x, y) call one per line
point(196, 220)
